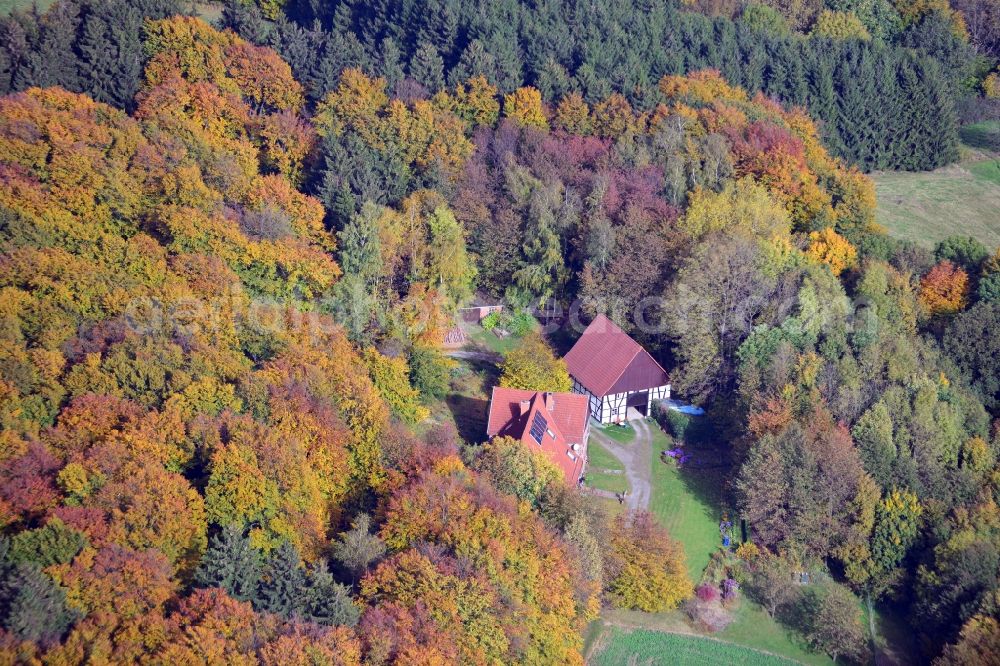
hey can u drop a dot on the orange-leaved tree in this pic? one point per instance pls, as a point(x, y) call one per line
point(944, 289)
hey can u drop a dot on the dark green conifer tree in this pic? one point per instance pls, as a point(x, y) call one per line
point(32, 606)
point(231, 563)
point(51, 60)
point(390, 66)
point(327, 601)
point(427, 67)
point(283, 586)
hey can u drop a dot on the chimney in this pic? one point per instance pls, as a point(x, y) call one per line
point(550, 402)
point(524, 406)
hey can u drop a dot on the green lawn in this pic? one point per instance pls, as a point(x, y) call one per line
point(604, 471)
point(623, 434)
point(988, 170)
point(687, 501)
point(962, 198)
point(613, 483)
point(654, 648)
point(751, 628)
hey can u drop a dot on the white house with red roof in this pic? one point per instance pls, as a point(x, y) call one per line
point(558, 424)
point(615, 372)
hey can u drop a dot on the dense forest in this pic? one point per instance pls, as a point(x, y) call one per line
point(863, 90)
point(229, 255)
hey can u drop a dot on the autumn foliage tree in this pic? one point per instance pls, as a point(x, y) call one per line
point(648, 566)
point(945, 289)
point(533, 366)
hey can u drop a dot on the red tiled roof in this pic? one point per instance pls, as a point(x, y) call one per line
point(512, 413)
point(606, 360)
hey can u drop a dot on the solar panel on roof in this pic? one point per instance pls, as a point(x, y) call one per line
point(538, 427)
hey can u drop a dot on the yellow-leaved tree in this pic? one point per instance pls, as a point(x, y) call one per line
point(830, 248)
point(534, 367)
point(650, 571)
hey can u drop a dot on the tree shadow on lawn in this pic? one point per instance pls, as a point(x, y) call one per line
point(985, 135)
point(703, 476)
point(709, 464)
point(470, 398)
point(470, 416)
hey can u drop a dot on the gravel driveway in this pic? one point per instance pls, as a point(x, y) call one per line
point(636, 457)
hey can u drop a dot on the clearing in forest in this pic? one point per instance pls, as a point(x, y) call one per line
point(962, 198)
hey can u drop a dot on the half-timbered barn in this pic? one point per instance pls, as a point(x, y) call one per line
point(615, 372)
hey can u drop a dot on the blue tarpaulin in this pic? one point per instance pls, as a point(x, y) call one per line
point(684, 409)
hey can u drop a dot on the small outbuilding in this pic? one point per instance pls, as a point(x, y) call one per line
point(615, 372)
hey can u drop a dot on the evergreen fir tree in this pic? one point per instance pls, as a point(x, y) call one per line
point(327, 601)
point(776, 77)
point(112, 54)
point(51, 60)
point(912, 134)
point(427, 67)
point(32, 607)
point(283, 587)
point(594, 88)
point(439, 26)
point(475, 61)
point(247, 21)
point(797, 85)
point(360, 252)
point(231, 563)
point(942, 143)
point(14, 48)
point(542, 268)
point(357, 548)
point(823, 102)
point(554, 81)
point(391, 63)
point(509, 65)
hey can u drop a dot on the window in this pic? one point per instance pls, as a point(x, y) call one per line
point(551, 434)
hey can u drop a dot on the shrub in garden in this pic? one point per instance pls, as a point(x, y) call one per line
point(707, 592)
point(747, 551)
point(519, 323)
point(708, 616)
point(730, 590)
point(490, 321)
point(677, 423)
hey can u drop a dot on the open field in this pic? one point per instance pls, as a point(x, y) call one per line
point(653, 648)
point(751, 630)
point(962, 198)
